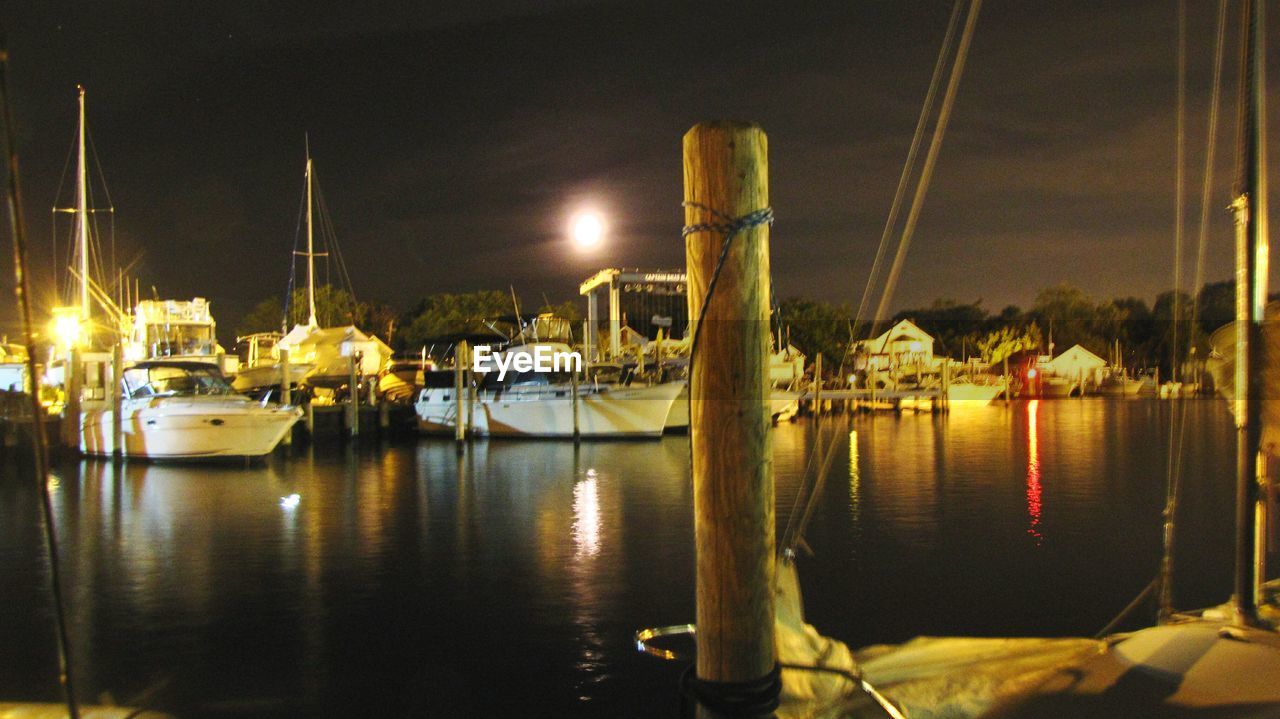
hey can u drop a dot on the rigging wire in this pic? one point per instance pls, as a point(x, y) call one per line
point(930, 161)
point(293, 257)
point(908, 169)
point(329, 236)
point(53, 225)
point(40, 443)
point(1175, 407)
point(110, 209)
point(1202, 239)
point(794, 533)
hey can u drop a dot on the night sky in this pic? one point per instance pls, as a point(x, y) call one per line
point(453, 145)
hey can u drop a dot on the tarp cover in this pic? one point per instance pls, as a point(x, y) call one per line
point(1201, 667)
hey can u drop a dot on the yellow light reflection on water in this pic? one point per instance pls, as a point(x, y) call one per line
point(1034, 489)
point(586, 516)
point(854, 478)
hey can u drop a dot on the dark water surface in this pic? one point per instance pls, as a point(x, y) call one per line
point(409, 582)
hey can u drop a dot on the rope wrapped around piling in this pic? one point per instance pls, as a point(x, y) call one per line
point(754, 697)
point(729, 227)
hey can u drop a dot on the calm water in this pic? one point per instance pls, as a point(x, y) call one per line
point(409, 582)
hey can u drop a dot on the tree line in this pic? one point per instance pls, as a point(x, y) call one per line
point(1062, 314)
point(434, 319)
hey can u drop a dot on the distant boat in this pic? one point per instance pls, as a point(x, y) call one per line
point(786, 371)
point(1119, 385)
point(402, 377)
point(541, 404)
point(172, 329)
point(175, 409)
point(964, 389)
point(262, 369)
point(328, 349)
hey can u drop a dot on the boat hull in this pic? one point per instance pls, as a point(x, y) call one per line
point(267, 376)
point(973, 394)
point(1120, 388)
point(619, 412)
point(188, 428)
point(784, 405)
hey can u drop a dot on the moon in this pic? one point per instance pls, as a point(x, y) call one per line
point(587, 230)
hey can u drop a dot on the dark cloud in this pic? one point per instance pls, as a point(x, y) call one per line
point(453, 144)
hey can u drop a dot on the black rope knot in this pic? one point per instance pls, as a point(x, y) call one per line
point(754, 697)
point(728, 226)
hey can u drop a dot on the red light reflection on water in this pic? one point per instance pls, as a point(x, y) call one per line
point(1033, 471)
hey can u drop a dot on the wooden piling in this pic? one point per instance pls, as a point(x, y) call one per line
point(71, 382)
point(459, 401)
point(726, 169)
point(944, 400)
point(286, 391)
point(817, 385)
point(573, 393)
point(1008, 384)
point(353, 395)
point(115, 394)
point(471, 396)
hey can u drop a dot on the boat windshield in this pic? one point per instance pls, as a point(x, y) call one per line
point(173, 380)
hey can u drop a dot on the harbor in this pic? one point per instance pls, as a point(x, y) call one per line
point(994, 522)
point(484, 363)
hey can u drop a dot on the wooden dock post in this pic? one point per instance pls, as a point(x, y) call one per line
point(459, 388)
point(573, 393)
point(115, 394)
point(353, 395)
point(71, 382)
point(817, 385)
point(944, 399)
point(471, 396)
point(872, 378)
point(286, 391)
point(726, 170)
point(1008, 384)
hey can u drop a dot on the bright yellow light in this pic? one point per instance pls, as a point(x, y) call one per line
point(586, 229)
point(66, 326)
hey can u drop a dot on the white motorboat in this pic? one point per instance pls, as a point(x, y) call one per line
point(541, 404)
point(1119, 385)
point(182, 410)
point(967, 392)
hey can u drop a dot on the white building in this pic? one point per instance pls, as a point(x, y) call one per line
point(902, 344)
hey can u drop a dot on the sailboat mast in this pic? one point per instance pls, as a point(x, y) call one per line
point(311, 254)
point(82, 214)
point(1252, 250)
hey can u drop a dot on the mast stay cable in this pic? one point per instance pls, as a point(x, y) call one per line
point(40, 442)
